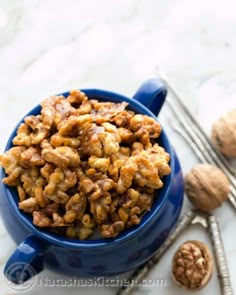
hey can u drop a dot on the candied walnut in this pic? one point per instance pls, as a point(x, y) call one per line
point(137, 147)
point(21, 193)
point(23, 135)
point(145, 169)
point(31, 179)
point(48, 112)
point(29, 205)
point(160, 158)
point(72, 125)
point(145, 199)
point(31, 157)
point(10, 161)
point(76, 97)
point(75, 208)
point(101, 164)
point(91, 140)
point(126, 135)
point(38, 131)
point(40, 219)
point(58, 140)
point(54, 110)
point(40, 197)
point(112, 230)
point(100, 187)
point(131, 198)
point(118, 160)
point(105, 111)
point(111, 139)
point(70, 232)
point(131, 205)
point(83, 229)
point(85, 108)
point(126, 177)
point(86, 185)
point(57, 220)
point(100, 207)
point(47, 170)
point(60, 182)
point(142, 122)
point(63, 156)
point(50, 209)
point(123, 118)
point(63, 110)
point(99, 140)
point(86, 226)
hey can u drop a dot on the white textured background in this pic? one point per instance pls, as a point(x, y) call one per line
point(47, 47)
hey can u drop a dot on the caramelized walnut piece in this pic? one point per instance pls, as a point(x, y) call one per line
point(58, 140)
point(23, 135)
point(29, 205)
point(60, 182)
point(101, 164)
point(145, 168)
point(40, 219)
point(105, 111)
point(112, 230)
point(10, 161)
point(54, 110)
point(72, 126)
point(31, 180)
point(100, 207)
point(63, 156)
point(123, 119)
point(118, 160)
point(31, 157)
point(83, 229)
point(76, 97)
point(139, 122)
point(75, 208)
point(38, 131)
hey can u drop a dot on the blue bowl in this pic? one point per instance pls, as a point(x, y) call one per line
point(40, 249)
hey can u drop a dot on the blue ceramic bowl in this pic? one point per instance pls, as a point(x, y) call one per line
point(41, 249)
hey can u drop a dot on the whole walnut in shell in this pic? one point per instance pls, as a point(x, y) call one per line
point(192, 265)
point(207, 187)
point(224, 134)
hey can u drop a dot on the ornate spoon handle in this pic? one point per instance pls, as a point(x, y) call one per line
point(221, 262)
point(140, 273)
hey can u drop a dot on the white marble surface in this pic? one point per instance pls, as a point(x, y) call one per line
point(47, 47)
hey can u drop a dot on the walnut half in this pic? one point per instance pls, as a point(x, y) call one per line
point(192, 265)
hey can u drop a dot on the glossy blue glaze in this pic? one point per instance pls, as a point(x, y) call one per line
point(42, 249)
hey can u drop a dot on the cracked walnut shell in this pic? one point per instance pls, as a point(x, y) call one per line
point(207, 187)
point(224, 134)
point(192, 265)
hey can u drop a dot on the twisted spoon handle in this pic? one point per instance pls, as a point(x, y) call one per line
point(221, 262)
point(140, 273)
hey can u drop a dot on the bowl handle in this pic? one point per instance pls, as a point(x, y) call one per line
point(26, 261)
point(152, 94)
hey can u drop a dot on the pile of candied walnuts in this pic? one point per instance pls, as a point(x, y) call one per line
point(82, 164)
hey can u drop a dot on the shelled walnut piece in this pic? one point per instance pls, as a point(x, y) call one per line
point(224, 134)
point(207, 187)
point(192, 265)
point(82, 164)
